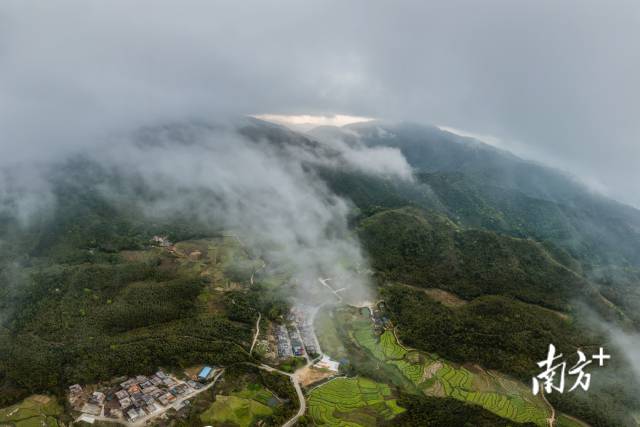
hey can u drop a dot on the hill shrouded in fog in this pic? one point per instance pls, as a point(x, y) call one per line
point(83, 288)
point(484, 186)
point(363, 214)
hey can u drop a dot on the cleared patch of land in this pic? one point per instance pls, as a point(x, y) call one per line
point(310, 375)
point(446, 298)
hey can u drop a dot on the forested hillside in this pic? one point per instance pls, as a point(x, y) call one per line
point(428, 250)
point(87, 294)
point(482, 186)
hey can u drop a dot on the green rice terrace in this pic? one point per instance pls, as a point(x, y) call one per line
point(352, 402)
point(417, 372)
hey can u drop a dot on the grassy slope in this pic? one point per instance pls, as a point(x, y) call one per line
point(235, 409)
point(34, 411)
point(328, 338)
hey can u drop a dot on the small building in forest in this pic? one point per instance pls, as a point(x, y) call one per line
point(205, 373)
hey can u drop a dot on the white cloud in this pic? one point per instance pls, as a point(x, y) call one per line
point(305, 122)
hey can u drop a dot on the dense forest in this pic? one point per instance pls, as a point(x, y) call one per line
point(77, 309)
point(429, 250)
point(438, 411)
point(478, 185)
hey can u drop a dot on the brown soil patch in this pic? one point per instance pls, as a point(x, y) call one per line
point(193, 371)
point(431, 370)
point(41, 398)
point(436, 390)
point(484, 382)
point(310, 375)
point(473, 368)
point(444, 297)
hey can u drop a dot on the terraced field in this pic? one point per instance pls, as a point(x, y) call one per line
point(390, 347)
point(434, 376)
point(352, 402)
point(34, 411)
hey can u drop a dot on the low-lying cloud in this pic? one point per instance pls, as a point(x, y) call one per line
point(385, 161)
point(266, 192)
point(559, 77)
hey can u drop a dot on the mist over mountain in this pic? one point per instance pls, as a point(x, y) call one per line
point(551, 78)
point(191, 168)
point(489, 187)
point(380, 208)
point(373, 214)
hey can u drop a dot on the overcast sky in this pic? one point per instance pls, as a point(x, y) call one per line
point(559, 80)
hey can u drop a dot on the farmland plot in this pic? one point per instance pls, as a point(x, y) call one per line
point(352, 402)
point(434, 376)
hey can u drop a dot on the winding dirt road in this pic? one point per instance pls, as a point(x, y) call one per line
point(552, 418)
point(255, 337)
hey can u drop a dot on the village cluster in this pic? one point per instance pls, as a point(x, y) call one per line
point(379, 319)
point(298, 336)
point(137, 397)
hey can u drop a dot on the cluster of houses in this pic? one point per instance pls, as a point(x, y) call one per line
point(162, 241)
point(284, 344)
point(296, 343)
point(136, 397)
point(304, 326)
point(298, 337)
point(378, 317)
